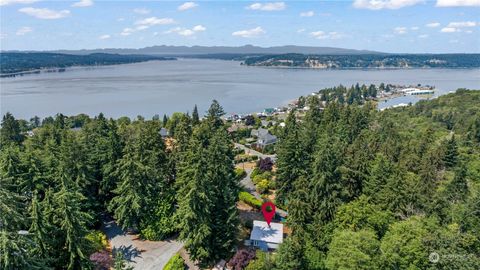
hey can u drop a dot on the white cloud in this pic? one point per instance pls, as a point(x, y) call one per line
point(187, 32)
point(458, 3)
point(469, 31)
point(307, 14)
point(83, 3)
point(24, 30)
point(325, 35)
point(120, 19)
point(198, 28)
point(12, 2)
point(301, 30)
point(449, 30)
point(433, 24)
point(453, 41)
point(254, 32)
point(142, 11)
point(414, 28)
point(384, 4)
point(462, 24)
point(45, 13)
point(400, 30)
point(187, 5)
point(423, 36)
point(104, 37)
point(142, 27)
point(274, 6)
point(155, 21)
point(127, 31)
point(146, 23)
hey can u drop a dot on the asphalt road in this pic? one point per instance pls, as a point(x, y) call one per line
point(147, 255)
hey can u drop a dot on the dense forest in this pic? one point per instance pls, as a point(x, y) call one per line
point(364, 189)
point(12, 62)
point(367, 61)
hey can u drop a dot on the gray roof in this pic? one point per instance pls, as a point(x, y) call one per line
point(259, 132)
point(270, 234)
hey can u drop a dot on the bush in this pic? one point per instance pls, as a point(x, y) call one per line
point(241, 259)
point(254, 173)
point(265, 164)
point(262, 186)
point(101, 260)
point(240, 173)
point(97, 241)
point(175, 263)
point(249, 199)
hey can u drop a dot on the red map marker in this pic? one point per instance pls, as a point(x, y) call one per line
point(266, 214)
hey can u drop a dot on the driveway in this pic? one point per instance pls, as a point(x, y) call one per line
point(249, 186)
point(141, 254)
point(255, 153)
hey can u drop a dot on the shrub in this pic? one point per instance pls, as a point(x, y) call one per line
point(265, 164)
point(97, 241)
point(254, 173)
point(101, 260)
point(241, 259)
point(240, 173)
point(249, 199)
point(262, 186)
point(175, 263)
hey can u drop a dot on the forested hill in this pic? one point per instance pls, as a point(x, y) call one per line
point(367, 61)
point(13, 62)
point(364, 189)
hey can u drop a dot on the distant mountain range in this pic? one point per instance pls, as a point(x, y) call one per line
point(204, 50)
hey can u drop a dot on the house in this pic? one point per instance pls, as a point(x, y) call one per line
point(263, 136)
point(164, 132)
point(266, 139)
point(264, 236)
point(258, 132)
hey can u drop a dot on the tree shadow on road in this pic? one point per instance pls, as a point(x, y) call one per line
point(129, 253)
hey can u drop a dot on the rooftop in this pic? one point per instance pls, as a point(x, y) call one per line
point(262, 232)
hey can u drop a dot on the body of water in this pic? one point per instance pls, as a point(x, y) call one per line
point(159, 87)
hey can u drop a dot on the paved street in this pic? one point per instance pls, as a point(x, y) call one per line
point(255, 153)
point(148, 255)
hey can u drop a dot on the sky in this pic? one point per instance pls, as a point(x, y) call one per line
point(397, 26)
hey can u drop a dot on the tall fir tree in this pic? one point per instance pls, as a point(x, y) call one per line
point(10, 131)
point(195, 116)
point(290, 161)
point(208, 192)
point(451, 152)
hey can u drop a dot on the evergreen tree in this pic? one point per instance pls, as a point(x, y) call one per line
point(214, 114)
point(208, 192)
point(451, 152)
point(327, 190)
point(165, 120)
point(289, 158)
point(10, 131)
point(195, 116)
point(458, 187)
point(141, 176)
point(69, 202)
point(309, 134)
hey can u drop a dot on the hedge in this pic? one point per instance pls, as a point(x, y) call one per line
point(249, 199)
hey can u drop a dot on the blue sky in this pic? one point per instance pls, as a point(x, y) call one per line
point(404, 26)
